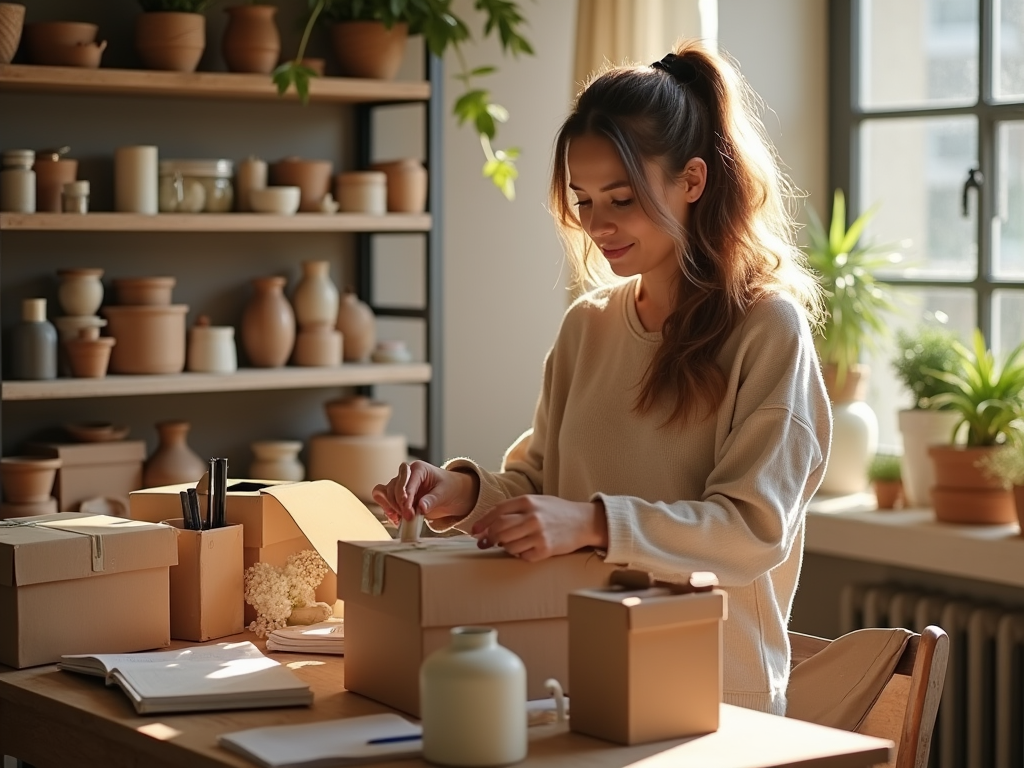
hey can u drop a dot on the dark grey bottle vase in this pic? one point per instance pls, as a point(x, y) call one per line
point(34, 343)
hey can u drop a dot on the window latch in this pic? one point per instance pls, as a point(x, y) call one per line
point(974, 181)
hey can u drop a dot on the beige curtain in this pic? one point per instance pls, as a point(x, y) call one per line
point(637, 31)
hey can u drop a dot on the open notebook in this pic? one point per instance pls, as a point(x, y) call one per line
point(221, 676)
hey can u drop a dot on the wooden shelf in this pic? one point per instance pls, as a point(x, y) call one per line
point(245, 379)
point(214, 222)
point(214, 85)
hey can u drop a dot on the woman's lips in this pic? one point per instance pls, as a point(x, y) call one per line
point(615, 253)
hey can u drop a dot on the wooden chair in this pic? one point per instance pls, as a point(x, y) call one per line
point(904, 711)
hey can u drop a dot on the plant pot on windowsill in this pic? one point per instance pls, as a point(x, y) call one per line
point(170, 40)
point(368, 48)
point(964, 493)
point(888, 493)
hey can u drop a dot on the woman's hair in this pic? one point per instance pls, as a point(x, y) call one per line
point(739, 243)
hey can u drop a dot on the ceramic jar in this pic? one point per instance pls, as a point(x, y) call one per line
point(362, 192)
point(80, 291)
point(28, 479)
point(250, 174)
point(89, 354)
point(12, 20)
point(315, 298)
point(136, 179)
point(173, 461)
point(150, 339)
point(74, 197)
point(49, 42)
point(312, 177)
point(473, 701)
point(277, 460)
point(52, 173)
point(268, 324)
point(406, 185)
point(357, 415)
point(368, 48)
point(18, 181)
point(251, 42)
point(358, 326)
point(196, 186)
point(34, 344)
point(211, 349)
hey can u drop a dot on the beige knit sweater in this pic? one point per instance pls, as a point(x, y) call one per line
point(726, 494)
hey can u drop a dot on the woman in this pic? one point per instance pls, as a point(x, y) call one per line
point(682, 424)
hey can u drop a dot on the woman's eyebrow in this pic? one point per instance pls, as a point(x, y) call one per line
point(605, 188)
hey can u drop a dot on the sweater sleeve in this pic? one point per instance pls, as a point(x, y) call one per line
point(767, 467)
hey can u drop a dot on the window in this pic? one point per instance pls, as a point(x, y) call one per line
point(927, 125)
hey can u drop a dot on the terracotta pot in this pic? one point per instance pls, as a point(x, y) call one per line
point(89, 354)
point(86, 55)
point(171, 41)
point(368, 49)
point(150, 339)
point(312, 177)
point(251, 42)
point(144, 291)
point(28, 479)
point(888, 493)
point(11, 509)
point(48, 41)
point(12, 21)
point(277, 460)
point(407, 185)
point(854, 387)
point(268, 324)
point(173, 461)
point(318, 346)
point(80, 291)
point(358, 326)
point(357, 415)
point(1018, 499)
point(315, 298)
point(964, 493)
point(51, 176)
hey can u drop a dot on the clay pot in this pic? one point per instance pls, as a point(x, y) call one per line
point(312, 177)
point(211, 349)
point(173, 461)
point(28, 479)
point(268, 324)
point(12, 21)
point(318, 346)
point(358, 326)
point(171, 41)
point(89, 354)
point(407, 185)
point(964, 493)
point(144, 291)
point(315, 298)
point(362, 192)
point(48, 41)
point(10, 509)
point(368, 49)
point(80, 291)
point(86, 55)
point(888, 493)
point(357, 415)
point(52, 173)
point(277, 460)
point(150, 339)
point(251, 42)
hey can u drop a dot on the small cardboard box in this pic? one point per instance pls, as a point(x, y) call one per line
point(90, 470)
point(77, 583)
point(402, 600)
point(207, 583)
point(645, 665)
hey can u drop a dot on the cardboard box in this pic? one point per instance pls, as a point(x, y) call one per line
point(279, 519)
point(91, 470)
point(402, 600)
point(74, 583)
point(645, 665)
point(207, 584)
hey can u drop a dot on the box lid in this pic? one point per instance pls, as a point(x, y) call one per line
point(447, 582)
point(71, 545)
point(658, 607)
point(76, 454)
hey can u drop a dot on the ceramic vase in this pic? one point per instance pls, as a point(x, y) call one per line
point(34, 344)
point(358, 327)
point(277, 460)
point(854, 432)
point(922, 428)
point(315, 298)
point(473, 701)
point(12, 20)
point(51, 176)
point(173, 461)
point(168, 40)
point(251, 42)
point(80, 291)
point(406, 185)
point(368, 48)
point(268, 324)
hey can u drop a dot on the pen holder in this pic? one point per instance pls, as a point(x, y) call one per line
point(207, 584)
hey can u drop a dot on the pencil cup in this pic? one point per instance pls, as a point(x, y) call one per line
point(207, 583)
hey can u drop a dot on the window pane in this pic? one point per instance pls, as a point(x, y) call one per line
point(913, 170)
point(1008, 256)
point(1008, 329)
point(1008, 80)
point(919, 53)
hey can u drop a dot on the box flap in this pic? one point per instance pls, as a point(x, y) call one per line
point(81, 454)
point(327, 513)
point(71, 545)
point(648, 608)
point(447, 582)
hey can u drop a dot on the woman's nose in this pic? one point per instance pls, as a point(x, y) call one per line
point(600, 223)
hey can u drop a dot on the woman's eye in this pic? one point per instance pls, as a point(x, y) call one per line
point(622, 203)
point(582, 203)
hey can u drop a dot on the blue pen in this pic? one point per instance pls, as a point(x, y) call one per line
point(396, 739)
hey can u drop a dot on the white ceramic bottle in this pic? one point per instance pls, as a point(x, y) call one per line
point(473, 701)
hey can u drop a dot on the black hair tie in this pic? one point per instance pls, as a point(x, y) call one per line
point(682, 70)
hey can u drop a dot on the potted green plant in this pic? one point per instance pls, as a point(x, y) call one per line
point(171, 34)
point(885, 475)
point(1007, 465)
point(987, 398)
point(384, 24)
point(929, 346)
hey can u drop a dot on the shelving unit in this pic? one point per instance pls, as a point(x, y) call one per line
point(364, 96)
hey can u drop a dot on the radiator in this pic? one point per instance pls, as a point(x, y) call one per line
point(980, 723)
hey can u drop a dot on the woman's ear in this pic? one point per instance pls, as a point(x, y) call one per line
point(693, 178)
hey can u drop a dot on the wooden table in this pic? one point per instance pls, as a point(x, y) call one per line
point(55, 719)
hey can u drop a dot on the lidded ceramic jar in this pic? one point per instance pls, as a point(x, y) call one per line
point(362, 192)
point(277, 460)
point(18, 181)
point(211, 349)
point(196, 186)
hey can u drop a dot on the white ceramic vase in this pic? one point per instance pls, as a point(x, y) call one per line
point(277, 460)
point(316, 297)
point(922, 428)
point(854, 443)
point(473, 701)
point(80, 292)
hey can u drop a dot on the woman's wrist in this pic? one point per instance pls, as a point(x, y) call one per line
point(471, 489)
point(599, 526)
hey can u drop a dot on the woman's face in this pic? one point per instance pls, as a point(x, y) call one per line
point(611, 215)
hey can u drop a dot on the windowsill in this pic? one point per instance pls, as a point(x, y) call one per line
point(851, 527)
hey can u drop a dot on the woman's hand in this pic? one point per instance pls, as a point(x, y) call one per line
point(423, 489)
point(537, 527)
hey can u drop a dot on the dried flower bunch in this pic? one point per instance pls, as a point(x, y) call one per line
point(276, 592)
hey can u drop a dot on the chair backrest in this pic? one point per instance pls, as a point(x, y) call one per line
point(904, 711)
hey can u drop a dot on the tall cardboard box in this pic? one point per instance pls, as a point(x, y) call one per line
point(77, 583)
point(645, 665)
point(402, 600)
point(91, 470)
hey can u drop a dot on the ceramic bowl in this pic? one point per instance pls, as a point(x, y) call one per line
point(96, 431)
point(284, 201)
point(48, 41)
point(358, 416)
point(144, 291)
point(86, 55)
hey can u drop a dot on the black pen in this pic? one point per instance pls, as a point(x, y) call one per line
point(211, 473)
point(396, 739)
point(193, 508)
point(222, 496)
point(185, 511)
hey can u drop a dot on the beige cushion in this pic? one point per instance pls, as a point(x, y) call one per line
point(838, 685)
